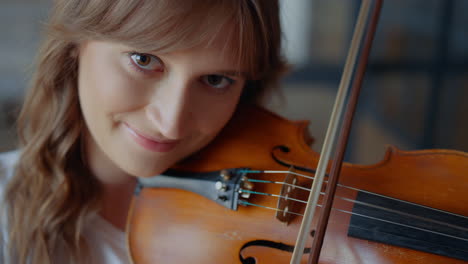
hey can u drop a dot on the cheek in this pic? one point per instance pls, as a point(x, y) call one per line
point(217, 115)
point(105, 88)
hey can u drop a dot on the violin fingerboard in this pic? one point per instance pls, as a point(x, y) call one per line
point(398, 223)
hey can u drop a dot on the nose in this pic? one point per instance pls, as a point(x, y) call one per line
point(169, 111)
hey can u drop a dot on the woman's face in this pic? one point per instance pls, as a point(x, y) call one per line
point(145, 111)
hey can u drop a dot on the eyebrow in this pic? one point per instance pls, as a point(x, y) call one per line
point(233, 73)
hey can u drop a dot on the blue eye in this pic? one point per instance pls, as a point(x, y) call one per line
point(217, 81)
point(146, 62)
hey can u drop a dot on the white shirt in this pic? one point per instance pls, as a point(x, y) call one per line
point(107, 244)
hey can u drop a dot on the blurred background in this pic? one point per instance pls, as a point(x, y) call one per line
point(415, 93)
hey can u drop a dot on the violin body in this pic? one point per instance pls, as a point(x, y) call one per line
point(168, 225)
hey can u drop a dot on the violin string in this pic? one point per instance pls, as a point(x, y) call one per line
point(402, 201)
point(365, 204)
point(351, 188)
point(242, 202)
point(406, 214)
point(278, 172)
point(405, 225)
point(279, 182)
point(354, 201)
point(273, 195)
point(434, 245)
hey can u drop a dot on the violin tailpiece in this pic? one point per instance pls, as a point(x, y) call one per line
point(223, 186)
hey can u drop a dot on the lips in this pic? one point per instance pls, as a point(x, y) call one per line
point(151, 143)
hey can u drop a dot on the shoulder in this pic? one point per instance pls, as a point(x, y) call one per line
point(8, 161)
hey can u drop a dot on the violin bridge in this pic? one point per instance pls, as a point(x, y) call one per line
point(284, 203)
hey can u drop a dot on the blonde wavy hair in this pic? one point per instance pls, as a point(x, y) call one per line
point(52, 193)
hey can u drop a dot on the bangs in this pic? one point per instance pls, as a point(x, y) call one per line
point(169, 25)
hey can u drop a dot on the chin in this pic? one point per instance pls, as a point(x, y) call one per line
point(147, 172)
point(139, 169)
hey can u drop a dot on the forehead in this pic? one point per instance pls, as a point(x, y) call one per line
point(202, 61)
point(217, 54)
point(213, 26)
point(177, 24)
point(221, 50)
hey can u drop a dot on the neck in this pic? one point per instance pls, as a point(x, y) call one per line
point(117, 186)
point(115, 203)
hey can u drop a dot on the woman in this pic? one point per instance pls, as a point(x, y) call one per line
point(124, 89)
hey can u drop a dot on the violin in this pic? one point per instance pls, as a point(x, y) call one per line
point(202, 212)
point(243, 198)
